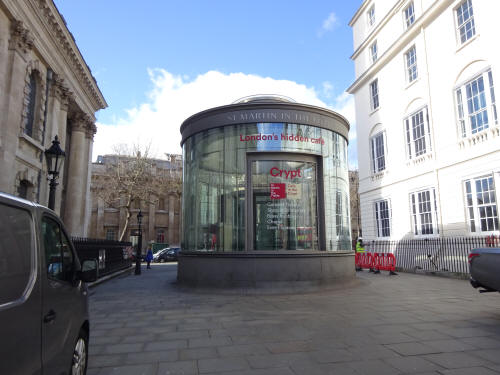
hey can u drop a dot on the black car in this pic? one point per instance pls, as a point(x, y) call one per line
point(170, 254)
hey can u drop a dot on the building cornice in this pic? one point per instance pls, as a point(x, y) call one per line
point(59, 30)
point(63, 44)
point(421, 23)
point(373, 33)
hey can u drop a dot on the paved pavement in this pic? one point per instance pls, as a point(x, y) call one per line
point(405, 324)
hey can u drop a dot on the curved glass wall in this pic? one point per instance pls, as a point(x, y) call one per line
point(291, 174)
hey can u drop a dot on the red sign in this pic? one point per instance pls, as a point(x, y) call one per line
point(278, 190)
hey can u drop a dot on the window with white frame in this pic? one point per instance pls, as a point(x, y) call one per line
point(370, 16)
point(411, 64)
point(383, 218)
point(378, 151)
point(424, 212)
point(409, 14)
point(418, 136)
point(482, 210)
point(465, 21)
point(476, 107)
point(374, 102)
point(373, 52)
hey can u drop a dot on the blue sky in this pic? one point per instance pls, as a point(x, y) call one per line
point(157, 62)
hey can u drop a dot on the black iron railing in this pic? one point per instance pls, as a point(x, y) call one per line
point(112, 256)
point(440, 255)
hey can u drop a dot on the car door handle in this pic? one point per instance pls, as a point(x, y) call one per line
point(49, 317)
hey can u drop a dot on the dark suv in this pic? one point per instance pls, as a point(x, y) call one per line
point(43, 295)
point(169, 254)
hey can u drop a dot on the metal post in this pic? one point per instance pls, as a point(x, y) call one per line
point(52, 192)
point(139, 246)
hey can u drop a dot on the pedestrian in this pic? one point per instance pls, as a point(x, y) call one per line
point(360, 248)
point(149, 257)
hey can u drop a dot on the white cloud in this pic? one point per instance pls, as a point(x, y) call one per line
point(329, 24)
point(173, 99)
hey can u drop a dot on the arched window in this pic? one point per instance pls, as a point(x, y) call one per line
point(31, 105)
point(23, 189)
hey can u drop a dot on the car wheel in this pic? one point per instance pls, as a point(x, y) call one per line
point(161, 260)
point(80, 355)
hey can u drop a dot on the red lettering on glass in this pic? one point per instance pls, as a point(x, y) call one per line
point(288, 174)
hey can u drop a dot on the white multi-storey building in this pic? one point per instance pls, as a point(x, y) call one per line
point(427, 117)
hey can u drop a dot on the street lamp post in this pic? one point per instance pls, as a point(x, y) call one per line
point(55, 157)
point(139, 245)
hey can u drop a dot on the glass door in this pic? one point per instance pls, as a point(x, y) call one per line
point(283, 202)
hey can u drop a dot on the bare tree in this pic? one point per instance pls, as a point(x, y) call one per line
point(131, 175)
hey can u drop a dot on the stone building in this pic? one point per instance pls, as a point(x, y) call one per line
point(161, 215)
point(46, 89)
point(427, 116)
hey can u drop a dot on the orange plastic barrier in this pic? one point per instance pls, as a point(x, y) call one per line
point(376, 262)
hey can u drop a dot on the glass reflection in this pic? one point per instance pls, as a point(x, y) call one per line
point(214, 209)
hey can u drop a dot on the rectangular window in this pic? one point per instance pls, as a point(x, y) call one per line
point(111, 234)
point(374, 102)
point(409, 15)
point(480, 198)
point(370, 15)
point(418, 137)
point(465, 21)
point(411, 64)
point(378, 152)
point(373, 52)
point(476, 107)
point(424, 212)
point(383, 218)
point(160, 235)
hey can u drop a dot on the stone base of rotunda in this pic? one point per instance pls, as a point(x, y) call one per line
point(264, 271)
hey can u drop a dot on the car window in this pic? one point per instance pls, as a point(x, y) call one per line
point(58, 256)
point(16, 252)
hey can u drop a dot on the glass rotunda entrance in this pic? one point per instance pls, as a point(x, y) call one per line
point(265, 196)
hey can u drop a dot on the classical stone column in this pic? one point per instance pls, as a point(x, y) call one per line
point(77, 175)
point(12, 84)
point(87, 203)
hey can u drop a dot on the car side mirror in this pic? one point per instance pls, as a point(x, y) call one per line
point(89, 272)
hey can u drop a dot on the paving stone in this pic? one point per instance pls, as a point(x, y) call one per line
point(274, 371)
point(456, 360)
point(101, 340)
point(165, 345)
point(152, 357)
point(208, 342)
point(413, 348)
point(123, 348)
point(276, 360)
point(412, 365)
point(105, 360)
point(241, 350)
point(470, 371)
point(446, 346)
point(492, 355)
point(222, 365)
point(482, 342)
point(183, 335)
point(178, 368)
point(374, 367)
point(290, 347)
point(129, 370)
point(197, 353)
